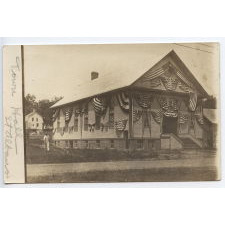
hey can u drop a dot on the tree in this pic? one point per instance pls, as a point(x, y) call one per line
point(41, 106)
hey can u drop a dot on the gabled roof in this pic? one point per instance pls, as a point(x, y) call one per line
point(121, 76)
point(32, 113)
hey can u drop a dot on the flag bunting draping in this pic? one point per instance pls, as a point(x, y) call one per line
point(157, 115)
point(199, 114)
point(123, 101)
point(137, 115)
point(100, 105)
point(193, 101)
point(144, 100)
point(183, 118)
point(120, 125)
point(68, 113)
point(55, 114)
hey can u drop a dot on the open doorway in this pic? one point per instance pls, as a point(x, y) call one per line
point(169, 125)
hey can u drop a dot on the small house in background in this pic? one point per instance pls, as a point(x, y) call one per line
point(34, 122)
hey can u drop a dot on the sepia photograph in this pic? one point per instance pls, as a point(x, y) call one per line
point(121, 112)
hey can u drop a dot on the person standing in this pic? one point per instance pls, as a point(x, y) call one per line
point(46, 142)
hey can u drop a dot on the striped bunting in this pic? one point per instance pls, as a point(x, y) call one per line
point(193, 101)
point(157, 115)
point(68, 113)
point(144, 100)
point(123, 101)
point(169, 82)
point(153, 74)
point(183, 118)
point(137, 115)
point(120, 125)
point(100, 105)
point(183, 87)
point(199, 115)
point(55, 114)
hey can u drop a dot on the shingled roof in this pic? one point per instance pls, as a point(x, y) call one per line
point(121, 76)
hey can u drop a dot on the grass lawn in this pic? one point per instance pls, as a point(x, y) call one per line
point(143, 175)
point(36, 154)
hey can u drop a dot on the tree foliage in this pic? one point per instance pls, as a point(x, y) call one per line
point(41, 106)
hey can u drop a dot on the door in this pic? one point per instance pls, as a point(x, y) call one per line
point(169, 125)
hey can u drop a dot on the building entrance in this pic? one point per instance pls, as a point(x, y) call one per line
point(169, 125)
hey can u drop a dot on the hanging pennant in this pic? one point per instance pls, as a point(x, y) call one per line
point(55, 115)
point(68, 113)
point(137, 115)
point(193, 101)
point(183, 118)
point(199, 115)
point(120, 125)
point(144, 100)
point(170, 82)
point(157, 115)
point(123, 101)
point(100, 105)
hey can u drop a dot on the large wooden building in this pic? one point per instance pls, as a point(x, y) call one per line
point(160, 109)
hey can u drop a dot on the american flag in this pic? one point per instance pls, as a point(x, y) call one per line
point(193, 101)
point(137, 115)
point(99, 105)
point(121, 125)
point(55, 115)
point(183, 118)
point(68, 113)
point(169, 82)
point(153, 74)
point(157, 115)
point(123, 100)
point(199, 114)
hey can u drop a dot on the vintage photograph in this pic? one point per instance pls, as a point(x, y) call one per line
point(121, 112)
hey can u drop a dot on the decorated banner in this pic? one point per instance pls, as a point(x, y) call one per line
point(184, 87)
point(193, 101)
point(153, 74)
point(137, 115)
point(199, 115)
point(169, 105)
point(100, 105)
point(55, 114)
point(68, 113)
point(183, 118)
point(157, 115)
point(123, 101)
point(169, 81)
point(144, 100)
point(120, 125)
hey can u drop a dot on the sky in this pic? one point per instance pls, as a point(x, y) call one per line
point(56, 70)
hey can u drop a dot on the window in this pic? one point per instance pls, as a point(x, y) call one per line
point(76, 124)
point(32, 118)
point(37, 124)
point(139, 144)
point(97, 143)
point(36, 119)
point(112, 144)
point(97, 122)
